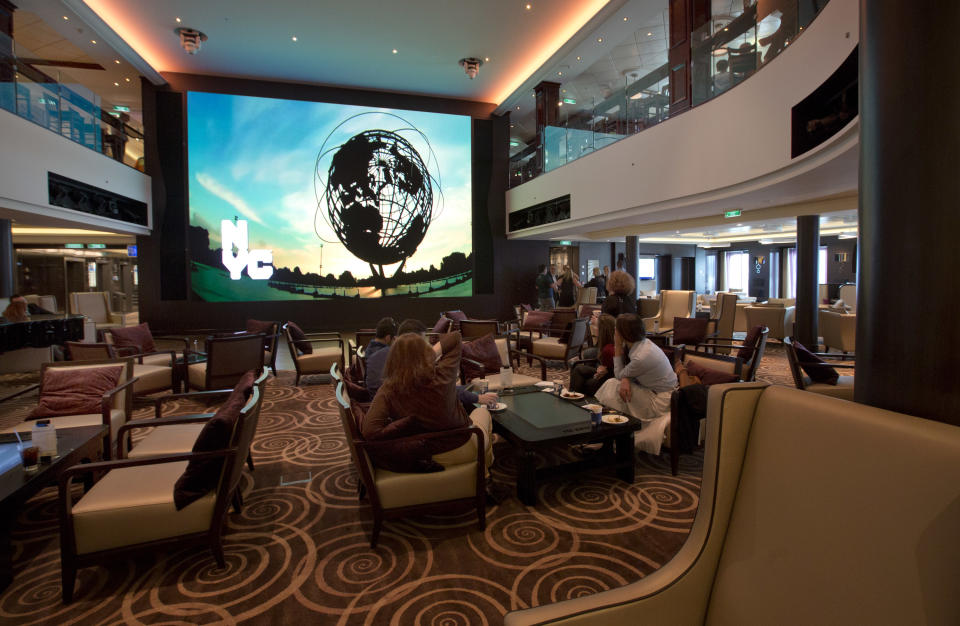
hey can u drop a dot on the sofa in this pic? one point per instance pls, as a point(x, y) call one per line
point(813, 510)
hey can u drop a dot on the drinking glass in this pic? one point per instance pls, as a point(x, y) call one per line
point(29, 456)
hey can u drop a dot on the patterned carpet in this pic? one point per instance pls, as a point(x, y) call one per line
point(300, 548)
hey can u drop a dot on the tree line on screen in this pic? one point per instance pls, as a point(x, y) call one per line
point(451, 265)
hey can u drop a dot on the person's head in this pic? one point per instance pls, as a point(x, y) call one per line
point(553, 269)
point(605, 327)
point(16, 311)
point(722, 65)
point(410, 362)
point(411, 326)
point(18, 298)
point(596, 272)
point(542, 268)
point(606, 270)
point(567, 274)
point(631, 328)
point(386, 330)
point(620, 283)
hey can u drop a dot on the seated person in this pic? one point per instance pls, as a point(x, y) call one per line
point(16, 311)
point(375, 354)
point(643, 378)
point(418, 395)
point(600, 282)
point(587, 379)
point(620, 294)
point(466, 397)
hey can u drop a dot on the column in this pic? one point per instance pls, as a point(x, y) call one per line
point(908, 286)
point(547, 99)
point(7, 260)
point(808, 253)
point(7, 99)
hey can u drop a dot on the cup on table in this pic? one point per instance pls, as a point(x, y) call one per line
point(596, 413)
point(482, 386)
point(506, 377)
point(493, 404)
point(29, 456)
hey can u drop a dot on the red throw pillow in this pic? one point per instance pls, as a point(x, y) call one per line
point(746, 352)
point(709, 376)
point(299, 338)
point(202, 476)
point(75, 390)
point(537, 320)
point(816, 369)
point(689, 330)
point(257, 326)
point(138, 336)
point(442, 325)
point(484, 351)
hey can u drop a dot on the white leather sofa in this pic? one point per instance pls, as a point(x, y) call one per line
point(813, 510)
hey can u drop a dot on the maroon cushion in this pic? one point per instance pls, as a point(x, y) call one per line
point(746, 352)
point(709, 376)
point(138, 336)
point(257, 326)
point(527, 307)
point(457, 316)
point(442, 325)
point(299, 338)
point(537, 320)
point(689, 330)
point(75, 390)
point(202, 476)
point(816, 369)
point(484, 351)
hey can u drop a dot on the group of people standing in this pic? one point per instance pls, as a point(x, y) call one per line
point(562, 290)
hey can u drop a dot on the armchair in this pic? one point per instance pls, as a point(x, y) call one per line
point(151, 378)
point(553, 349)
point(393, 495)
point(673, 303)
point(131, 509)
point(228, 358)
point(848, 293)
point(839, 331)
point(96, 306)
point(314, 353)
point(726, 314)
point(775, 316)
point(474, 329)
point(491, 377)
point(750, 352)
point(115, 405)
point(359, 343)
point(844, 387)
point(762, 551)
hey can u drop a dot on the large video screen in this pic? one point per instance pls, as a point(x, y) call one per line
point(294, 200)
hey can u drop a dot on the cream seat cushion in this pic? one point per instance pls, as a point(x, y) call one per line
point(843, 389)
point(133, 505)
point(197, 375)
point(320, 361)
point(172, 439)
point(550, 347)
point(467, 453)
point(117, 419)
point(159, 359)
point(152, 377)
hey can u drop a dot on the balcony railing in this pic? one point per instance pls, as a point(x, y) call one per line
point(57, 102)
point(724, 52)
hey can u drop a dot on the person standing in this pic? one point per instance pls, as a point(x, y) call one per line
point(545, 284)
point(567, 287)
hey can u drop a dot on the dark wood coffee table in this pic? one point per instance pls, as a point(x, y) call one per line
point(76, 445)
point(535, 421)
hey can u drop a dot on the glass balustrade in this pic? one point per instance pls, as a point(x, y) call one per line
point(53, 99)
point(740, 37)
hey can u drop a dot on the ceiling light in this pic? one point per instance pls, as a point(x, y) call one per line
point(599, 39)
point(579, 59)
point(649, 34)
point(470, 65)
point(625, 19)
point(190, 39)
point(127, 79)
point(116, 84)
point(719, 52)
point(294, 38)
point(847, 236)
point(518, 107)
point(178, 20)
point(559, 73)
point(486, 59)
point(93, 41)
point(394, 51)
point(528, 6)
point(66, 18)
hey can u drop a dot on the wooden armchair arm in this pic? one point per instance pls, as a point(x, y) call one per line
point(139, 355)
point(463, 359)
point(529, 355)
point(106, 402)
point(185, 340)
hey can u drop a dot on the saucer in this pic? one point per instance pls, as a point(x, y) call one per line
point(544, 383)
point(571, 395)
point(614, 419)
point(500, 406)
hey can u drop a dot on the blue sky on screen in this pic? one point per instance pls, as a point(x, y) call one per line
point(254, 158)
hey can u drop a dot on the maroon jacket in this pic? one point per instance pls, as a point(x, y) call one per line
point(428, 407)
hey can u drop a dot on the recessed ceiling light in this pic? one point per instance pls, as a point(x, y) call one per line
point(178, 20)
point(518, 107)
point(127, 79)
point(486, 59)
point(117, 61)
point(116, 84)
point(625, 19)
point(294, 38)
point(579, 59)
point(563, 90)
point(650, 34)
point(528, 6)
point(394, 50)
point(725, 29)
point(599, 39)
point(66, 18)
point(93, 41)
point(559, 73)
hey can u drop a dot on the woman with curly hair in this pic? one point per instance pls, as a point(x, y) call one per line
point(418, 395)
point(620, 290)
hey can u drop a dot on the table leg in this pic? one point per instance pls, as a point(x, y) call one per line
point(6, 553)
point(626, 468)
point(527, 478)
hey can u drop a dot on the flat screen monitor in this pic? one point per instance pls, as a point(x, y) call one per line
point(299, 200)
point(646, 269)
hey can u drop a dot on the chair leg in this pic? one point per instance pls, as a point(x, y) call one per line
point(674, 459)
point(296, 383)
point(237, 501)
point(217, 548)
point(250, 461)
point(68, 577)
point(482, 510)
point(375, 535)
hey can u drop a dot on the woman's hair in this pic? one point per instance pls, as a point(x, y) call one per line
point(620, 282)
point(605, 327)
point(16, 311)
point(409, 363)
point(567, 273)
point(630, 327)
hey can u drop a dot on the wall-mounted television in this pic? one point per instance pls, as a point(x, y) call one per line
point(300, 200)
point(646, 269)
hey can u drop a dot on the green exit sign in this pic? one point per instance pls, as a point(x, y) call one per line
point(73, 245)
point(733, 213)
point(121, 108)
point(569, 101)
point(97, 246)
point(566, 242)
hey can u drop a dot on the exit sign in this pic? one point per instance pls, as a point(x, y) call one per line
point(566, 242)
point(733, 213)
point(569, 101)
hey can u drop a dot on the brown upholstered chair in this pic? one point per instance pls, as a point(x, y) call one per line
point(95, 305)
point(176, 344)
point(554, 348)
point(844, 387)
point(131, 509)
point(673, 304)
point(115, 406)
point(474, 329)
point(151, 377)
point(492, 378)
point(783, 538)
point(228, 358)
point(394, 495)
point(327, 349)
point(359, 343)
point(839, 331)
point(724, 345)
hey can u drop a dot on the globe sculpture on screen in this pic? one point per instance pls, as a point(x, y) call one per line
point(377, 195)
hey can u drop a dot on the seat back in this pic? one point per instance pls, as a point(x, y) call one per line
point(364, 337)
point(122, 401)
point(727, 305)
point(351, 431)
point(719, 362)
point(793, 362)
point(852, 538)
point(753, 363)
point(93, 304)
point(246, 429)
point(839, 330)
point(80, 351)
point(229, 358)
point(561, 318)
point(47, 303)
point(848, 293)
point(474, 329)
point(578, 335)
point(675, 303)
point(588, 295)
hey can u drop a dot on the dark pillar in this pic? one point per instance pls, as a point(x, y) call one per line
point(7, 100)
point(7, 260)
point(908, 215)
point(808, 253)
point(548, 110)
point(630, 256)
